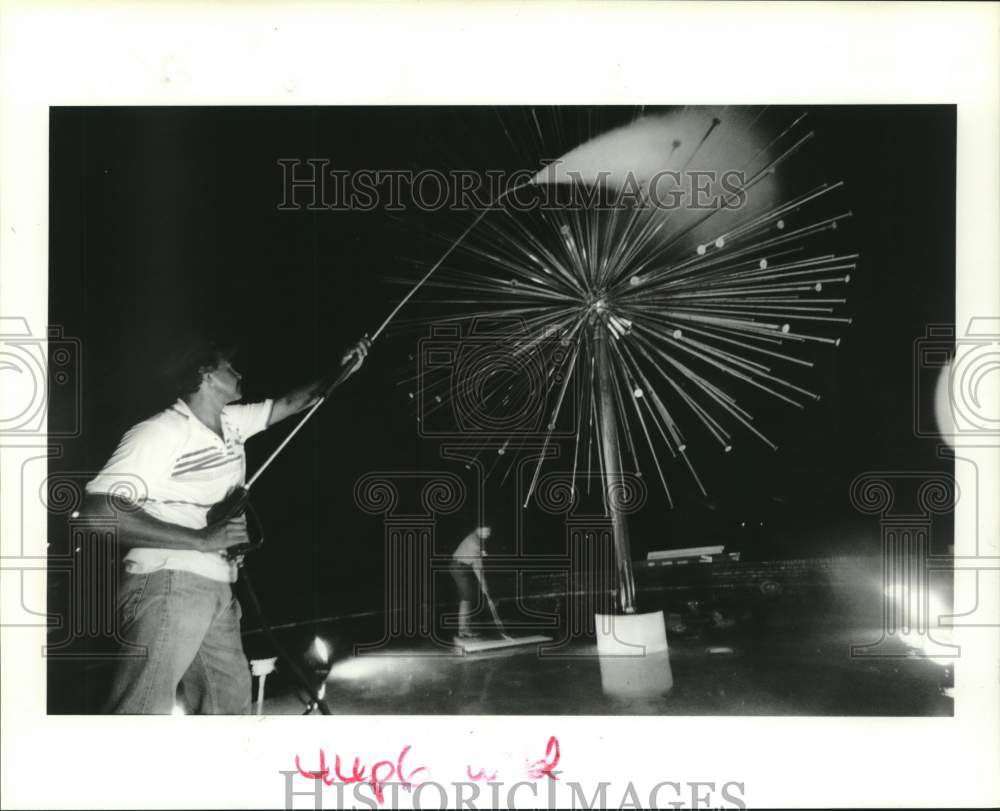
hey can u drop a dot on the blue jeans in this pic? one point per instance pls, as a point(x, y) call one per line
point(187, 631)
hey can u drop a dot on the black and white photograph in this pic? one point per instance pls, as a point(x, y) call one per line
point(614, 436)
point(524, 436)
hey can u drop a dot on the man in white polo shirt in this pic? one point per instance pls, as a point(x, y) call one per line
point(175, 597)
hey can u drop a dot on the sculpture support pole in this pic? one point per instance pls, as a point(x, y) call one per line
point(612, 469)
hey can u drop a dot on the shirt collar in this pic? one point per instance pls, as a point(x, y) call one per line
point(185, 411)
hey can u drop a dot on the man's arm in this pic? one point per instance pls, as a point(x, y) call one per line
point(306, 396)
point(137, 528)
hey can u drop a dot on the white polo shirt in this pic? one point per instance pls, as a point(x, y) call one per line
point(185, 468)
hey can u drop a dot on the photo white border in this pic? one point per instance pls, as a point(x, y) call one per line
point(186, 53)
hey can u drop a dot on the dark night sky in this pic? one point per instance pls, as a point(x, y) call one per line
point(165, 220)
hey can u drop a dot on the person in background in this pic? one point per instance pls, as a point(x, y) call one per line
point(467, 572)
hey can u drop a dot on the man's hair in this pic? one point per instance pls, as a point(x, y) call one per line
point(186, 369)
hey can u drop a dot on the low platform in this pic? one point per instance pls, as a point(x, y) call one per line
point(480, 645)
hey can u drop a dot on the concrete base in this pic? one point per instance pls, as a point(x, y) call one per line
point(633, 654)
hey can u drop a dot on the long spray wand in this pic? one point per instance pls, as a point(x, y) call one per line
point(347, 370)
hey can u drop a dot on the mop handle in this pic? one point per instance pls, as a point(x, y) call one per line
point(489, 602)
point(493, 611)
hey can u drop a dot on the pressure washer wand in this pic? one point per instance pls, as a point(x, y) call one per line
point(329, 390)
point(343, 375)
point(445, 255)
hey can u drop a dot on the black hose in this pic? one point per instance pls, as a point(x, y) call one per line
point(282, 652)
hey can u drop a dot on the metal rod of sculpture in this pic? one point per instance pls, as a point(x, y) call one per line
point(614, 485)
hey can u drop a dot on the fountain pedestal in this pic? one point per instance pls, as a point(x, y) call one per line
point(633, 654)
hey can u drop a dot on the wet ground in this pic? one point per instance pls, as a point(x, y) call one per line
point(718, 674)
point(766, 639)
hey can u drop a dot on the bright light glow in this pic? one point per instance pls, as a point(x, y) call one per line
point(383, 671)
point(178, 710)
point(359, 668)
point(939, 613)
point(321, 649)
point(943, 412)
point(928, 643)
point(322, 691)
point(926, 614)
